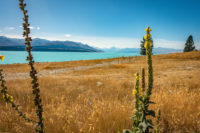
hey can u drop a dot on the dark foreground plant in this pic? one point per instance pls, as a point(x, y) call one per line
point(142, 122)
point(9, 99)
point(33, 74)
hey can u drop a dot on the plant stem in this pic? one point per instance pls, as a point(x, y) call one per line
point(35, 86)
point(9, 99)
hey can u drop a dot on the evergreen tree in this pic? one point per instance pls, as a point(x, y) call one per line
point(142, 49)
point(189, 45)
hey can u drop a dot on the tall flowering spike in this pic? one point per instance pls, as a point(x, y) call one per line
point(147, 38)
point(39, 128)
point(148, 44)
point(144, 124)
point(142, 119)
point(148, 29)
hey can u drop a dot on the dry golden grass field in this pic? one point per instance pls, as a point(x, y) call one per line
point(99, 100)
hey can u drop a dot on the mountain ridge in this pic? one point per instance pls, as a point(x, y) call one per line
point(38, 44)
point(14, 44)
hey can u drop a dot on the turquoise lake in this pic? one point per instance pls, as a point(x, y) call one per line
point(12, 57)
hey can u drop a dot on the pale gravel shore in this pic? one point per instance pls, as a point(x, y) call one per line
point(13, 76)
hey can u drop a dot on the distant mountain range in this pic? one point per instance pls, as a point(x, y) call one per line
point(158, 50)
point(12, 44)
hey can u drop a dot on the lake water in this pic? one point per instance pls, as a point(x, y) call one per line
point(12, 57)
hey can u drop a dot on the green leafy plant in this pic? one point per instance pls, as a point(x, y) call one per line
point(142, 119)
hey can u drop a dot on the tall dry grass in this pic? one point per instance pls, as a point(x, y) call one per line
point(99, 100)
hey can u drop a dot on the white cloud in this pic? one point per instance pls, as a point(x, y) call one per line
point(106, 42)
point(168, 43)
point(31, 27)
point(13, 35)
point(67, 35)
point(9, 28)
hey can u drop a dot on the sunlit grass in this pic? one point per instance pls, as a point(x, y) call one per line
point(100, 99)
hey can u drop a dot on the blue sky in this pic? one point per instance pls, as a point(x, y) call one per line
point(106, 23)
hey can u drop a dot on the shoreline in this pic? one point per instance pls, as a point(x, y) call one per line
point(21, 71)
point(20, 57)
point(128, 56)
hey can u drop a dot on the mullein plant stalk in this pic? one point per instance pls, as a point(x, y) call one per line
point(142, 123)
point(136, 93)
point(147, 124)
point(39, 127)
point(158, 122)
point(9, 99)
point(143, 80)
point(137, 108)
point(147, 45)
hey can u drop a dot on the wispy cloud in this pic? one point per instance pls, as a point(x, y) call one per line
point(106, 42)
point(9, 28)
point(13, 35)
point(67, 35)
point(168, 43)
point(38, 28)
point(32, 27)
